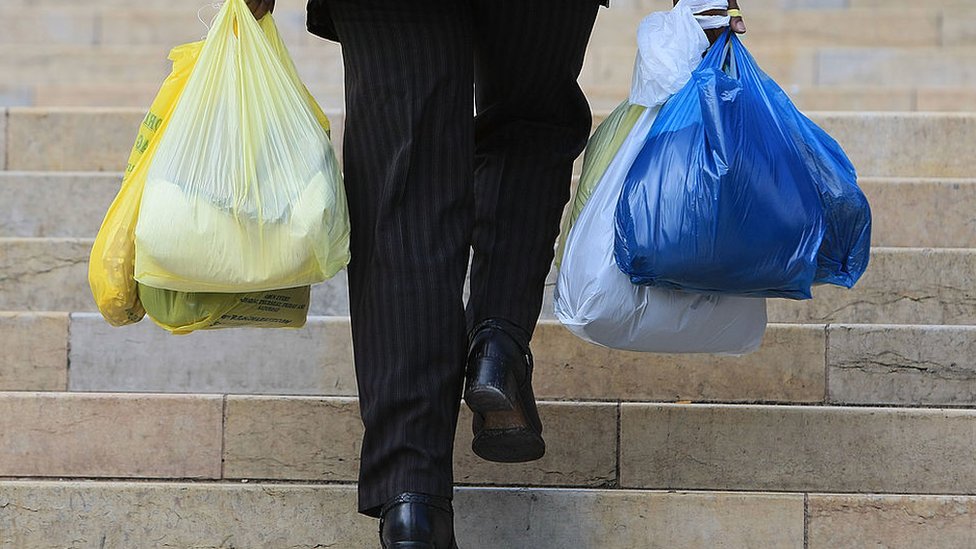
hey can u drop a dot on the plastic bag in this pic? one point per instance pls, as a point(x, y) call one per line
point(598, 303)
point(600, 150)
point(184, 312)
point(244, 192)
point(119, 298)
point(112, 261)
point(670, 45)
point(735, 191)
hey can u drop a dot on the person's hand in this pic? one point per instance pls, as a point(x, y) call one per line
point(737, 24)
point(260, 7)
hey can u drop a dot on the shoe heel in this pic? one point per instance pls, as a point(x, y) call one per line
point(410, 545)
point(491, 387)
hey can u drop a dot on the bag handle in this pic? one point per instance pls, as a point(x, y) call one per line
point(730, 62)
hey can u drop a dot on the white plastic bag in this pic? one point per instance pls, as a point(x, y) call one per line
point(598, 303)
point(670, 45)
point(244, 192)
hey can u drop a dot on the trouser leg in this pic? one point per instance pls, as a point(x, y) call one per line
point(532, 122)
point(408, 168)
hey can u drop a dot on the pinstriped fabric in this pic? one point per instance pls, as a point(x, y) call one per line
point(533, 121)
point(410, 171)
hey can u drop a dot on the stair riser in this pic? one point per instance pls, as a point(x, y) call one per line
point(293, 438)
point(896, 365)
point(901, 286)
point(82, 139)
point(601, 97)
point(117, 26)
point(318, 360)
point(52, 204)
point(287, 516)
point(119, 514)
point(661, 446)
point(895, 145)
point(860, 450)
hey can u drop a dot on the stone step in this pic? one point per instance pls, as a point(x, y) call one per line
point(137, 26)
point(79, 139)
point(80, 352)
point(902, 286)
point(39, 71)
point(72, 204)
point(797, 448)
point(636, 5)
point(796, 67)
point(629, 445)
point(132, 25)
point(906, 28)
point(879, 144)
point(836, 364)
point(54, 514)
point(55, 204)
point(884, 67)
point(601, 97)
point(127, 65)
point(49, 514)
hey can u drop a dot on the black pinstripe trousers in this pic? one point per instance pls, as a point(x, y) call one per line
point(428, 182)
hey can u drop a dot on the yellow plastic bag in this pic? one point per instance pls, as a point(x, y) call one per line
point(112, 260)
point(184, 312)
point(119, 298)
point(244, 192)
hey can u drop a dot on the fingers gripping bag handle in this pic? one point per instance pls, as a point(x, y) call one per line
point(244, 193)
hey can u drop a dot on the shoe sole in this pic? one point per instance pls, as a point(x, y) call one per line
point(505, 436)
point(515, 445)
point(417, 545)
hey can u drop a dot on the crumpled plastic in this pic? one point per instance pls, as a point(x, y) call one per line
point(244, 192)
point(736, 192)
point(598, 303)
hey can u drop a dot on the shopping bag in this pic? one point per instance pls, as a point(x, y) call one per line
point(736, 192)
point(244, 192)
point(112, 260)
point(120, 299)
point(669, 47)
point(598, 303)
point(184, 312)
point(600, 150)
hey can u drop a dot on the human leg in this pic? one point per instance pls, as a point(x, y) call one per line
point(532, 122)
point(408, 168)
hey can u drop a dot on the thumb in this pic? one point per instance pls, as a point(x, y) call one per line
point(738, 25)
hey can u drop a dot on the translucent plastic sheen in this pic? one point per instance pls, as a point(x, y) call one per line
point(736, 192)
point(244, 193)
point(112, 262)
point(598, 303)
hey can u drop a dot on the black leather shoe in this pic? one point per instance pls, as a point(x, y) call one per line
point(506, 422)
point(417, 521)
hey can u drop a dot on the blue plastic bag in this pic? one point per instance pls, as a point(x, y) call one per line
point(736, 192)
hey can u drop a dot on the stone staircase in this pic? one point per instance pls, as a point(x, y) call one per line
point(853, 426)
